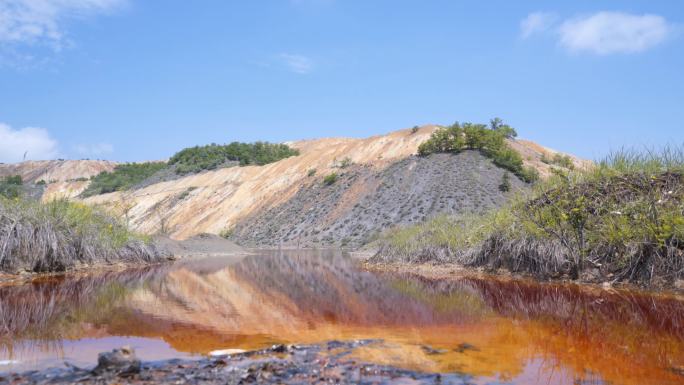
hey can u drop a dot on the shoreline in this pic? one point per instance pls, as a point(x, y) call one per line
point(454, 271)
point(361, 257)
point(326, 362)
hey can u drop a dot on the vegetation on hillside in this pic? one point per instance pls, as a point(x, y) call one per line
point(489, 140)
point(330, 179)
point(10, 186)
point(60, 235)
point(559, 160)
point(123, 177)
point(622, 220)
point(186, 161)
point(199, 158)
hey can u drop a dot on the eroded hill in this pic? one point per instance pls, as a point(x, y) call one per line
point(380, 183)
point(63, 178)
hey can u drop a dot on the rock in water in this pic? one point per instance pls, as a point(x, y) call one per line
point(119, 361)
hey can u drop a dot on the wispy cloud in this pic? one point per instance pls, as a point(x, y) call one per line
point(32, 142)
point(42, 21)
point(297, 63)
point(537, 22)
point(96, 149)
point(613, 32)
point(601, 33)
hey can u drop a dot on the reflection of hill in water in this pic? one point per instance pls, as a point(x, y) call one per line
point(306, 297)
point(289, 297)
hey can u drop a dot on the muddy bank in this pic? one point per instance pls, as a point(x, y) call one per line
point(330, 362)
point(202, 245)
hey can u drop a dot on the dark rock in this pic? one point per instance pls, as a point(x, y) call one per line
point(119, 361)
point(462, 347)
point(432, 351)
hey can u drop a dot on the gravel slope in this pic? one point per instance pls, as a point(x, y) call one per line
point(365, 201)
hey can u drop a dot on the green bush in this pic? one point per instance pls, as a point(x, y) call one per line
point(123, 177)
point(10, 186)
point(311, 172)
point(497, 124)
point(213, 156)
point(505, 185)
point(490, 141)
point(344, 163)
point(330, 179)
point(559, 160)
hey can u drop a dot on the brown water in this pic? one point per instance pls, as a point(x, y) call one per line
point(521, 332)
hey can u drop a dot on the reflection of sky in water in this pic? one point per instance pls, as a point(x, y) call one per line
point(521, 331)
point(82, 352)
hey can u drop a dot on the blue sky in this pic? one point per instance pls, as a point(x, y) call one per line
point(133, 80)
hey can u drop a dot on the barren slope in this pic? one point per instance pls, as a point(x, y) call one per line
point(366, 201)
point(60, 175)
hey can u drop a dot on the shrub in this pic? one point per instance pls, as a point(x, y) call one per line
point(415, 129)
point(123, 177)
point(311, 172)
point(559, 160)
point(330, 179)
point(41, 182)
point(186, 193)
point(10, 186)
point(344, 163)
point(14, 179)
point(227, 232)
point(505, 185)
point(497, 124)
point(213, 156)
point(490, 141)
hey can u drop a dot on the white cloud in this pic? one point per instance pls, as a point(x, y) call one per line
point(537, 22)
point(601, 33)
point(297, 63)
point(613, 32)
point(96, 149)
point(41, 21)
point(35, 142)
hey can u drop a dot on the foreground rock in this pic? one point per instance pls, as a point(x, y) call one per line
point(317, 364)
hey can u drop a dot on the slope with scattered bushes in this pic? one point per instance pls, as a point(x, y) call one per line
point(348, 207)
point(622, 220)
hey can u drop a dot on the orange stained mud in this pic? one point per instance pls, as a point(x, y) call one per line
point(514, 331)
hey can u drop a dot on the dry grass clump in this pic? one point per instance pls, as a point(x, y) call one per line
point(622, 221)
point(60, 235)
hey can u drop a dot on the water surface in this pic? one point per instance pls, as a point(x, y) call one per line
point(497, 331)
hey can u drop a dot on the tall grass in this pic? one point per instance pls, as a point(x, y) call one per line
point(60, 235)
point(622, 220)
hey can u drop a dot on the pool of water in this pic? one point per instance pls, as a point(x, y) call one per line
point(498, 331)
